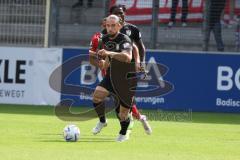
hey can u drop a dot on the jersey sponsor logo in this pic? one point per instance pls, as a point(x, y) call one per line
point(128, 32)
point(126, 45)
point(110, 45)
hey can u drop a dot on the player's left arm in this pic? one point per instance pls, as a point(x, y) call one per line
point(126, 51)
point(125, 54)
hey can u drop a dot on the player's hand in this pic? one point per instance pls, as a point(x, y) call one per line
point(143, 70)
point(142, 67)
point(101, 64)
point(107, 62)
point(102, 53)
point(137, 65)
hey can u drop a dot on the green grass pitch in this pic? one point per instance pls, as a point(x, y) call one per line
point(35, 133)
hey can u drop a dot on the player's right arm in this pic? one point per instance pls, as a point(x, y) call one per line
point(93, 58)
point(136, 57)
point(123, 56)
point(137, 38)
point(102, 64)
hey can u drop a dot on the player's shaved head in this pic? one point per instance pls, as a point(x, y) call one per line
point(113, 25)
point(113, 18)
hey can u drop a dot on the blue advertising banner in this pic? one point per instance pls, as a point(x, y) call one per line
point(200, 82)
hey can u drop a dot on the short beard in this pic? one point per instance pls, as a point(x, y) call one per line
point(112, 35)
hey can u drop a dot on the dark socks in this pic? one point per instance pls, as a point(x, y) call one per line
point(124, 126)
point(100, 110)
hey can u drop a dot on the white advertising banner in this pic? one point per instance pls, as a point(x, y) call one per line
point(24, 75)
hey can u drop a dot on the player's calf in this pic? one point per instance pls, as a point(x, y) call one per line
point(124, 122)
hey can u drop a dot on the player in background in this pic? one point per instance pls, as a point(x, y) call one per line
point(95, 45)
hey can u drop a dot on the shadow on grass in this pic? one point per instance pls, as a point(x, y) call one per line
point(153, 115)
point(79, 141)
point(82, 139)
point(57, 137)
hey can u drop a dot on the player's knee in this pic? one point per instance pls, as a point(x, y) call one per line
point(117, 113)
point(97, 98)
point(99, 95)
point(123, 116)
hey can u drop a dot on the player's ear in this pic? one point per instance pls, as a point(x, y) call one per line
point(119, 26)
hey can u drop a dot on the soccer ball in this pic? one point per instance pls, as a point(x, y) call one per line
point(71, 133)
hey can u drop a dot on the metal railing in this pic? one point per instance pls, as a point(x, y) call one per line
point(22, 22)
point(68, 23)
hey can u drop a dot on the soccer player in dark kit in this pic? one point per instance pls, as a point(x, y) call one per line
point(118, 49)
point(95, 45)
point(134, 34)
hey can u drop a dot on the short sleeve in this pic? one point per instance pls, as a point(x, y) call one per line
point(136, 34)
point(126, 44)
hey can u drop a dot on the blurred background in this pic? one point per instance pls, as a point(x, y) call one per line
point(71, 23)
